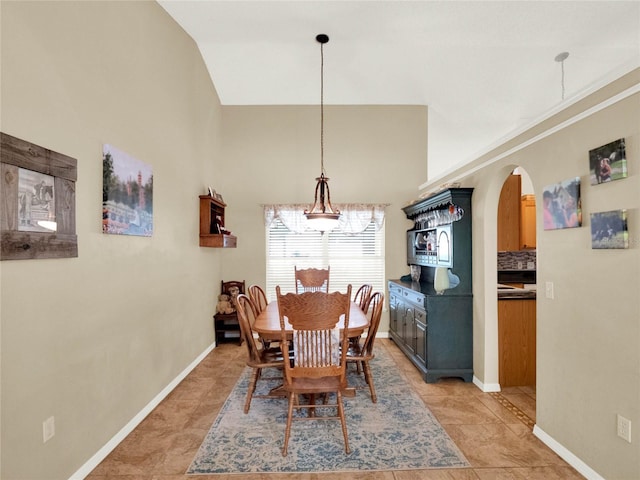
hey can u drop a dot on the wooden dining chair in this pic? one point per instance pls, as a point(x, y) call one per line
point(362, 296)
point(319, 360)
point(259, 356)
point(361, 352)
point(258, 297)
point(312, 280)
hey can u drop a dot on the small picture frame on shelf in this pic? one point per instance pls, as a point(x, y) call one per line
point(210, 191)
point(218, 197)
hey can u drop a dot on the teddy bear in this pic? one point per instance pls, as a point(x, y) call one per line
point(234, 292)
point(224, 304)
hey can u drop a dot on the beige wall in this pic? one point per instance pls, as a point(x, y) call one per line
point(92, 340)
point(272, 155)
point(588, 360)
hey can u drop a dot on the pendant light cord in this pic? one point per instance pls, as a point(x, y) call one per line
point(560, 58)
point(562, 67)
point(322, 108)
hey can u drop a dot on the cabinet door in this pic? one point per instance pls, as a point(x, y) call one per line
point(393, 312)
point(421, 334)
point(528, 222)
point(408, 333)
point(517, 342)
point(509, 215)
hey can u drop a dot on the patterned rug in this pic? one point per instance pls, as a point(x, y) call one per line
point(396, 433)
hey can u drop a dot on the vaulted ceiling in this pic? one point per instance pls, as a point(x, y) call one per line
point(483, 68)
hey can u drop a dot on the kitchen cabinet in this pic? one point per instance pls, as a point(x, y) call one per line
point(527, 221)
point(517, 342)
point(433, 331)
point(509, 215)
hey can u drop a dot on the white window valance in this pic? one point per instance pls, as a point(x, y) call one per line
point(354, 218)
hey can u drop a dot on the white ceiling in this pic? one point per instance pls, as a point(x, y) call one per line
point(483, 68)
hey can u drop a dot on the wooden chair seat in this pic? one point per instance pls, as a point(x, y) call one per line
point(314, 385)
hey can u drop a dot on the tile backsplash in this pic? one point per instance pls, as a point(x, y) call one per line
point(517, 260)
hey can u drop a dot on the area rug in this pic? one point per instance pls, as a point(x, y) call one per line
point(396, 433)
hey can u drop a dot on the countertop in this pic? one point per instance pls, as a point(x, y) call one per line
point(508, 292)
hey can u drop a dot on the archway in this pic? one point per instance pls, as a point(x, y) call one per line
point(516, 291)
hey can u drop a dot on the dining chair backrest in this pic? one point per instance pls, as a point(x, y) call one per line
point(375, 305)
point(319, 347)
point(362, 296)
point(312, 280)
point(258, 297)
point(246, 318)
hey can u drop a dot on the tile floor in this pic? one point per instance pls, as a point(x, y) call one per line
point(492, 430)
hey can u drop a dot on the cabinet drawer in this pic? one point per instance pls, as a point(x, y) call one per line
point(413, 297)
point(395, 289)
point(420, 315)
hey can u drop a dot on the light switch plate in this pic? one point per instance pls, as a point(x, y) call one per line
point(548, 290)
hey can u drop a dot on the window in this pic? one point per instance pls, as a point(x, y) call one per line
point(354, 258)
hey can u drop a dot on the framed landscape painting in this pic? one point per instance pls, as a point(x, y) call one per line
point(609, 229)
point(561, 205)
point(608, 162)
point(127, 194)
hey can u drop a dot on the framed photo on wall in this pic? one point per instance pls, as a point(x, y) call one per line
point(608, 162)
point(38, 200)
point(561, 205)
point(609, 229)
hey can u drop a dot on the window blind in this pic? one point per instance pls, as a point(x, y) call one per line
point(354, 258)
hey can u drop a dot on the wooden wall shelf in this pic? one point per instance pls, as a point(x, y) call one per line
point(212, 224)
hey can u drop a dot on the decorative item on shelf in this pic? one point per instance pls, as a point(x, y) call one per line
point(415, 273)
point(224, 306)
point(440, 216)
point(441, 280)
point(322, 216)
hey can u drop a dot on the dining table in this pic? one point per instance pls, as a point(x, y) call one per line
point(267, 325)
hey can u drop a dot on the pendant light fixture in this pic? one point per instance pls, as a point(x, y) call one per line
point(322, 216)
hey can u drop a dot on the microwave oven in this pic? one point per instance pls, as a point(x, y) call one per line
point(432, 247)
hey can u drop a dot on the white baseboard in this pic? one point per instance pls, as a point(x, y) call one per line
point(486, 387)
point(584, 469)
point(101, 454)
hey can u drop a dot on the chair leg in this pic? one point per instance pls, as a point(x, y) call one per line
point(251, 388)
point(369, 378)
point(343, 421)
point(287, 431)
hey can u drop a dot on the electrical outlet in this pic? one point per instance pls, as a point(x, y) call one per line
point(624, 428)
point(531, 266)
point(519, 265)
point(548, 290)
point(48, 429)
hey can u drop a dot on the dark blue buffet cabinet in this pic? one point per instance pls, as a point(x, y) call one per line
point(433, 328)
